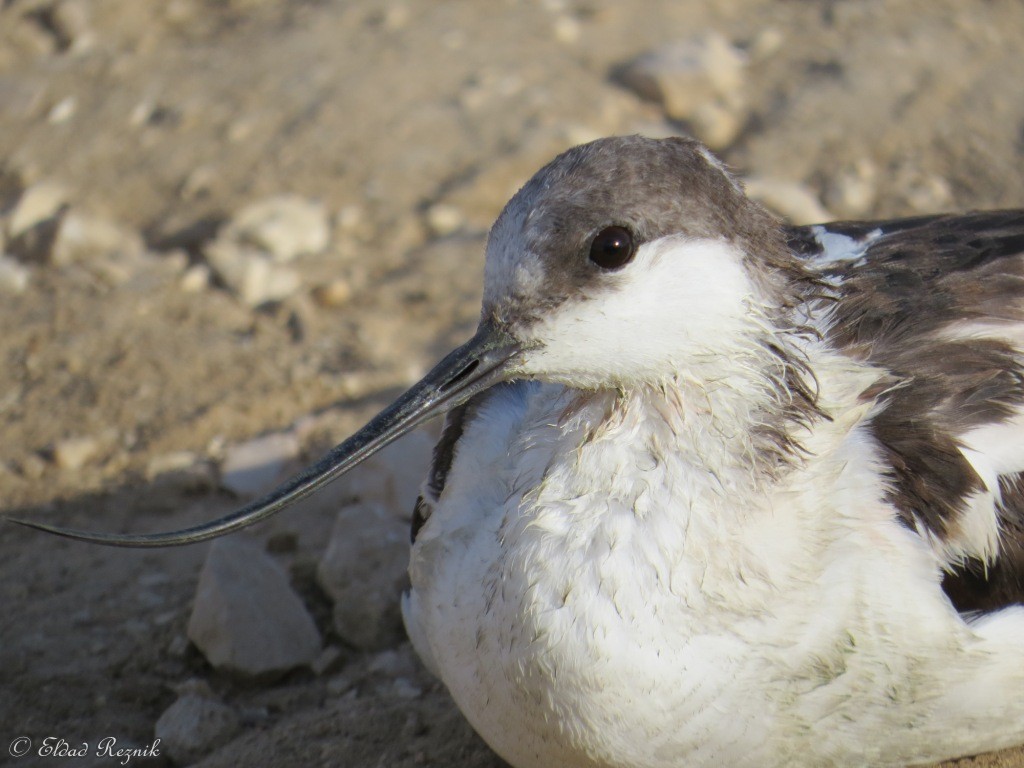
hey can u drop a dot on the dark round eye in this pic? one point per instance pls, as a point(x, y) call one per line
point(612, 248)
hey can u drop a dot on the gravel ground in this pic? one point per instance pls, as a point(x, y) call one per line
point(153, 322)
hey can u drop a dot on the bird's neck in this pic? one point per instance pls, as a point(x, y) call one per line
point(745, 420)
point(683, 470)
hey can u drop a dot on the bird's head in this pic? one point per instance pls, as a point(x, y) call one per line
point(633, 260)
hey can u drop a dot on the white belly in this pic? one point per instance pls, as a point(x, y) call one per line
point(594, 629)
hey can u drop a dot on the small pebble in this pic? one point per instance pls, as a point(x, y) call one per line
point(63, 111)
point(768, 42)
point(250, 274)
point(284, 227)
point(40, 202)
point(444, 219)
point(353, 220)
point(175, 461)
point(96, 242)
point(74, 452)
point(195, 279)
point(567, 30)
point(14, 276)
point(336, 293)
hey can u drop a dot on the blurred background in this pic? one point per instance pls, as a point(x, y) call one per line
point(230, 230)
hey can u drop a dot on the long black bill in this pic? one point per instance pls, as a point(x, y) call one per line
point(486, 359)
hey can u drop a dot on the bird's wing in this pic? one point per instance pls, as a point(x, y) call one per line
point(939, 302)
point(456, 422)
point(440, 465)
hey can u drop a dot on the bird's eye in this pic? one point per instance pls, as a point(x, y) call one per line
point(612, 248)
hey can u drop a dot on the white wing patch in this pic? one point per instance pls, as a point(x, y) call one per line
point(836, 248)
point(1010, 331)
point(993, 450)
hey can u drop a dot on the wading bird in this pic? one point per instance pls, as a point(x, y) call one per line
point(717, 491)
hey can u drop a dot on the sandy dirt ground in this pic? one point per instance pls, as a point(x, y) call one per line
point(411, 123)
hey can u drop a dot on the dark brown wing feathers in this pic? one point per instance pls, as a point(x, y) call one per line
point(898, 306)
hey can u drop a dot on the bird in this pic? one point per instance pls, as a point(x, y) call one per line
point(713, 489)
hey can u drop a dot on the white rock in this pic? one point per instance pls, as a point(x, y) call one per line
point(567, 29)
point(74, 452)
point(767, 43)
point(255, 466)
point(263, 281)
point(790, 199)
point(195, 279)
point(195, 725)
point(63, 110)
point(687, 76)
point(86, 239)
point(40, 202)
point(170, 462)
point(249, 253)
point(333, 294)
point(250, 274)
point(444, 219)
point(284, 227)
point(246, 618)
point(14, 275)
point(364, 572)
point(141, 113)
point(352, 220)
